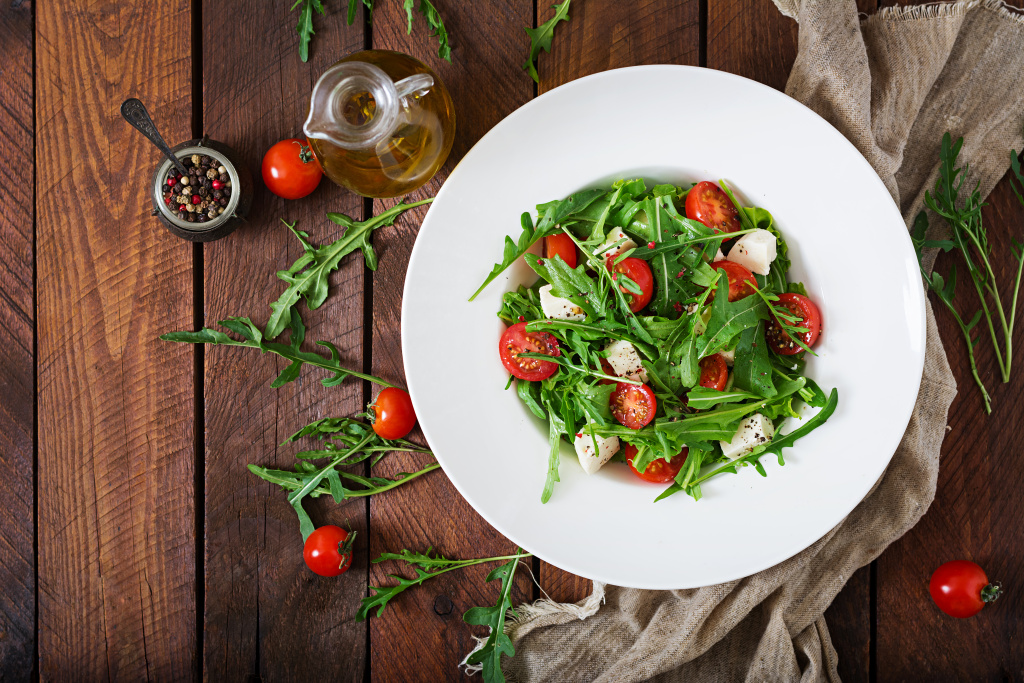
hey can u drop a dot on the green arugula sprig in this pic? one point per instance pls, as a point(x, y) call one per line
point(540, 38)
point(349, 442)
point(497, 643)
point(252, 338)
point(308, 276)
point(305, 26)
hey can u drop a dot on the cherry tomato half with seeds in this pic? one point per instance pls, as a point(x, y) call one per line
point(810, 318)
point(290, 170)
point(393, 415)
point(633, 405)
point(741, 280)
point(961, 589)
point(639, 272)
point(561, 245)
point(714, 372)
point(328, 550)
point(517, 340)
point(657, 471)
point(705, 202)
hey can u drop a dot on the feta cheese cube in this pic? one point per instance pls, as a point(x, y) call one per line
point(606, 448)
point(729, 355)
point(625, 360)
point(557, 307)
point(755, 250)
point(614, 236)
point(720, 255)
point(753, 431)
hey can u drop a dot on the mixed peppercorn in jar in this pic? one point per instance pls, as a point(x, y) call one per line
point(202, 194)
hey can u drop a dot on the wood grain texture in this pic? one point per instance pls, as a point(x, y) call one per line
point(753, 39)
point(266, 614)
point(607, 34)
point(976, 513)
point(115, 508)
point(422, 636)
point(17, 354)
point(602, 35)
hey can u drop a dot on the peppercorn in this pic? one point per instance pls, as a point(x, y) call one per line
point(191, 218)
point(195, 159)
point(203, 192)
point(212, 213)
point(217, 194)
point(205, 160)
point(223, 201)
point(211, 174)
point(181, 215)
point(186, 162)
point(224, 177)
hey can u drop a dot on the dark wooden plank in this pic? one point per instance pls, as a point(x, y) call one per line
point(115, 508)
point(413, 641)
point(602, 35)
point(976, 513)
point(756, 41)
point(17, 354)
point(265, 611)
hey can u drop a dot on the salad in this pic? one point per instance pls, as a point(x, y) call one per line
point(663, 332)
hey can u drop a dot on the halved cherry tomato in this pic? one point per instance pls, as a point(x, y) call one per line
point(328, 550)
point(706, 203)
point(393, 416)
point(290, 170)
point(639, 272)
point(802, 307)
point(714, 373)
point(632, 405)
point(961, 589)
point(741, 280)
point(657, 471)
point(561, 245)
point(517, 340)
point(607, 369)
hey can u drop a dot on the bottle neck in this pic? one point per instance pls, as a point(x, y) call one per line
point(354, 105)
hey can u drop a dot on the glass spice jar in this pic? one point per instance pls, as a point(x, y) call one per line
point(239, 200)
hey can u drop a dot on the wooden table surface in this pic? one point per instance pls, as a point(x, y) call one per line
point(134, 545)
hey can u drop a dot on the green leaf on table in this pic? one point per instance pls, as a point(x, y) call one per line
point(497, 643)
point(437, 29)
point(308, 275)
point(540, 38)
point(305, 26)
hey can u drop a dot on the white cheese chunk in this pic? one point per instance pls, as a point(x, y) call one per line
point(614, 236)
point(755, 250)
point(557, 307)
point(606, 448)
point(625, 360)
point(753, 431)
point(720, 256)
point(729, 355)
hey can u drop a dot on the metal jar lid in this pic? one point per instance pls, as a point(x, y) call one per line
point(237, 208)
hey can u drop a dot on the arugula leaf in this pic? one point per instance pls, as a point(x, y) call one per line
point(305, 26)
point(540, 38)
point(426, 566)
point(308, 276)
point(554, 214)
point(497, 644)
point(437, 29)
point(568, 283)
point(252, 338)
point(752, 367)
point(556, 427)
point(702, 398)
point(728, 319)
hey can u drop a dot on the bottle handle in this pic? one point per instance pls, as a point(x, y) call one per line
point(416, 85)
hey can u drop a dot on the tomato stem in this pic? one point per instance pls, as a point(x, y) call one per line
point(991, 592)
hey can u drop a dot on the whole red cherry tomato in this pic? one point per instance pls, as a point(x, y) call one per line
point(290, 170)
point(328, 550)
point(393, 416)
point(960, 589)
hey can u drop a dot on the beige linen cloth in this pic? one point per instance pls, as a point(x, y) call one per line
point(893, 83)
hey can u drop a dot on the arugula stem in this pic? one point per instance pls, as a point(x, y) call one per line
point(409, 476)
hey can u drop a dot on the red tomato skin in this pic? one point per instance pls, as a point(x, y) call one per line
point(639, 272)
point(516, 340)
point(741, 280)
point(560, 245)
point(658, 471)
point(705, 202)
point(714, 372)
point(290, 170)
point(956, 588)
point(607, 369)
point(633, 406)
point(800, 305)
point(322, 554)
point(394, 416)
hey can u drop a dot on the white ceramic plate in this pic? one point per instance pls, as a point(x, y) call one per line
point(848, 244)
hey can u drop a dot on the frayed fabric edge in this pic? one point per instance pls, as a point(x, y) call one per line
point(944, 10)
point(545, 607)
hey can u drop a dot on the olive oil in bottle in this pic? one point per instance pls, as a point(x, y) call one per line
point(380, 123)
